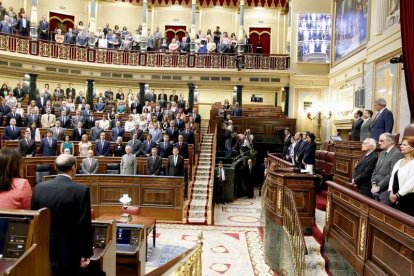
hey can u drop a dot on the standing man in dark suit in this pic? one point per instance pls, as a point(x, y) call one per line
point(64, 120)
point(32, 117)
point(43, 29)
point(219, 182)
point(249, 176)
point(14, 115)
point(175, 166)
point(12, 132)
point(27, 146)
point(135, 144)
point(118, 131)
point(383, 121)
point(70, 228)
point(70, 92)
point(138, 132)
point(173, 97)
point(356, 127)
point(4, 108)
point(154, 163)
point(165, 147)
point(286, 142)
point(188, 134)
point(196, 116)
point(298, 144)
point(102, 146)
point(89, 121)
point(365, 167)
point(95, 132)
point(147, 145)
point(18, 91)
point(77, 118)
point(136, 106)
point(48, 145)
point(182, 147)
point(162, 95)
point(382, 173)
point(24, 25)
point(41, 101)
point(172, 131)
point(309, 153)
point(78, 132)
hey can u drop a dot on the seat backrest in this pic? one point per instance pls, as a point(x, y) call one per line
point(39, 176)
point(112, 168)
point(330, 159)
point(131, 210)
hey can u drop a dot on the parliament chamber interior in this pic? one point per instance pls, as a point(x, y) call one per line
point(210, 137)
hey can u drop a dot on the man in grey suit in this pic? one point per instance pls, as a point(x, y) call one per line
point(128, 162)
point(154, 163)
point(386, 160)
point(366, 126)
point(90, 165)
point(135, 144)
point(96, 131)
point(58, 132)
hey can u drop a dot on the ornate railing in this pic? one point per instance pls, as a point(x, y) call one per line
point(293, 228)
point(49, 49)
point(213, 166)
point(188, 263)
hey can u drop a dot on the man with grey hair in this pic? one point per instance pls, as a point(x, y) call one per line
point(383, 121)
point(386, 160)
point(365, 167)
point(128, 162)
point(70, 227)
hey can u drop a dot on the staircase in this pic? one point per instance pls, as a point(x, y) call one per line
point(198, 209)
point(314, 262)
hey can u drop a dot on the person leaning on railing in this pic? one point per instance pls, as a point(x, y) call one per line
point(59, 37)
point(401, 186)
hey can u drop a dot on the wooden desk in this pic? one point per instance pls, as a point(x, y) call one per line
point(303, 188)
point(150, 223)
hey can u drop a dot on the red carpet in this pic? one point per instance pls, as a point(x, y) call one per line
point(321, 200)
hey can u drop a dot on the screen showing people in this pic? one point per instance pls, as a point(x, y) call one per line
point(314, 37)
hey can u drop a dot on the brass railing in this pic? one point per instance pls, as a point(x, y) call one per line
point(50, 49)
point(293, 228)
point(188, 263)
point(213, 165)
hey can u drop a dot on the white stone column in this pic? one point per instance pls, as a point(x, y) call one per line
point(241, 28)
point(33, 20)
point(192, 27)
point(144, 35)
point(379, 16)
point(92, 15)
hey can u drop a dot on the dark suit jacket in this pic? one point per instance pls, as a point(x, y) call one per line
point(24, 31)
point(5, 109)
point(177, 170)
point(286, 144)
point(67, 123)
point(88, 123)
point(363, 173)
point(18, 93)
point(11, 135)
point(102, 151)
point(180, 124)
point(154, 167)
point(30, 119)
point(383, 122)
point(17, 116)
point(174, 98)
point(136, 147)
point(137, 107)
point(309, 153)
point(70, 226)
point(356, 130)
point(139, 133)
point(236, 112)
point(27, 148)
point(296, 153)
point(147, 146)
point(73, 90)
point(158, 115)
point(117, 133)
point(39, 103)
point(76, 119)
point(172, 133)
point(165, 150)
point(46, 149)
point(183, 149)
point(76, 136)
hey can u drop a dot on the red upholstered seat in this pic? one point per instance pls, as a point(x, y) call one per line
point(92, 214)
point(330, 159)
point(131, 210)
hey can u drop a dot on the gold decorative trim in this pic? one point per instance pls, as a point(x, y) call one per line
point(328, 211)
point(279, 198)
point(362, 237)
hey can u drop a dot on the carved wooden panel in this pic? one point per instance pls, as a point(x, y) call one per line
point(111, 195)
point(346, 224)
point(164, 197)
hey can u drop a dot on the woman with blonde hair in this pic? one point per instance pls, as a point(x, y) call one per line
point(84, 146)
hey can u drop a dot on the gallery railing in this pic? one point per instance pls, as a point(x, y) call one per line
point(50, 49)
point(294, 230)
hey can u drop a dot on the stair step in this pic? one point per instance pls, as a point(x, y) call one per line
point(314, 262)
point(312, 245)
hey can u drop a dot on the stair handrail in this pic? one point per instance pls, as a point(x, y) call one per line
point(293, 228)
point(213, 166)
point(188, 263)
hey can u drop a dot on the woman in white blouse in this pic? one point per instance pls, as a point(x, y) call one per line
point(130, 123)
point(401, 185)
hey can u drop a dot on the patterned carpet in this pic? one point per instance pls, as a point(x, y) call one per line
point(226, 250)
point(242, 212)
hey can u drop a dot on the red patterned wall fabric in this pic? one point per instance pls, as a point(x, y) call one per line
point(262, 35)
point(61, 21)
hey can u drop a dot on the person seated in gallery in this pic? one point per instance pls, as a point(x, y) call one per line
point(365, 168)
point(164, 45)
point(174, 46)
